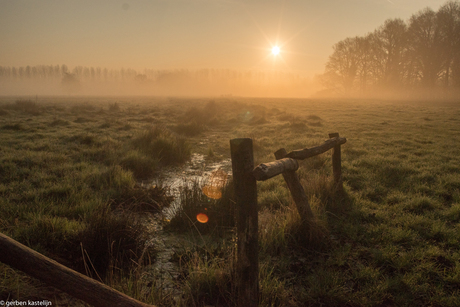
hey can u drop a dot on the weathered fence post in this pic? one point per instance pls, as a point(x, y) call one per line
point(297, 191)
point(337, 164)
point(245, 185)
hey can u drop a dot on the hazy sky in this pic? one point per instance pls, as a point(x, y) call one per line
point(191, 34)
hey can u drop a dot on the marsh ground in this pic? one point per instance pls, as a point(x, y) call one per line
point(69, 168)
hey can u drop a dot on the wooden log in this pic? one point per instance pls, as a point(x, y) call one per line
point(297, 191)
point(302, 154)
point(245, 184)
point(265, 171)
point(337, 163)
point(54, 274)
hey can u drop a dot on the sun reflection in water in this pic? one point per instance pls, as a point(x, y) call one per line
point(213, 190)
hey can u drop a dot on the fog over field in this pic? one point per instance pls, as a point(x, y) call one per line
point(59, 80)
point(369, 49)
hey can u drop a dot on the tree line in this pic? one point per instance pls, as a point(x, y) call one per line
point(421, 56)
point(81, 73)
point(96, 80)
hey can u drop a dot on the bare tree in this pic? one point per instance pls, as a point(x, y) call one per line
point(388, 44)
point(344, 63)
point(449, 24)
point(425, 48)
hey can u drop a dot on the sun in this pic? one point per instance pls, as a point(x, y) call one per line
point(275, 50)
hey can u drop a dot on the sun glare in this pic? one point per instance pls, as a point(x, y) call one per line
point(202, 218)
point(275, 50)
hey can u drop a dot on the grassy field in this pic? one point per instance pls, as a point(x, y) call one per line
point(70, 170)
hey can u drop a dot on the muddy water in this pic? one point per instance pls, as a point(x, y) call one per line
point(198, 169)
point(164, 273)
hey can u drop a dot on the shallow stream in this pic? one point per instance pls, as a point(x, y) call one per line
point(164, 272)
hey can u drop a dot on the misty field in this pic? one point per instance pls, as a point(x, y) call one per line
point(70, 183)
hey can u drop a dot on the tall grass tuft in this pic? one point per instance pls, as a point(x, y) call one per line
point(56, 235)
point(220, 212)
point(114, 107)
point(192, 128)
point(160, 143)
point(142, 166)
point(25, 106)
point(114, 177)
point(111, 241)
point(273, 289)
point(282, 230)
point(210, 278)
point(4, 112)
point(138, 199)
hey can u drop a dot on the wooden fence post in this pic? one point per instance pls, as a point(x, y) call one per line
point(297, 191)
point(245, 185)
point(337, 164)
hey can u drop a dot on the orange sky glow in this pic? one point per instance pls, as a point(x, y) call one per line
point(189, 34)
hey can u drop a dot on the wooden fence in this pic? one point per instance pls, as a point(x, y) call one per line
point(245, 178)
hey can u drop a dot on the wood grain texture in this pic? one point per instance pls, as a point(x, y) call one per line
point(55, 274)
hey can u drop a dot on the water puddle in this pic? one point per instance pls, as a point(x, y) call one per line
point(198, 169)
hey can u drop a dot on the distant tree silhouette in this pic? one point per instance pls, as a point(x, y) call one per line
point(449, 23)
point(140, 78)
point(215, 81)
point(64, 70)
point(70, 83)
point(425, 47)
point(28, 71)
point(21, 72)
point(345, 63)
point(388, 47)
point(422, 53)
point(98, 73)
point(14, 72)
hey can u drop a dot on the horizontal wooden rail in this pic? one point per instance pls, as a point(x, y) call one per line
point(54, 274)
point(266, 171)
point(302, 154)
